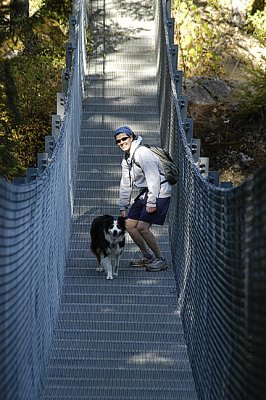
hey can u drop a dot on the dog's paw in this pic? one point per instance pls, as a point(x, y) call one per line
point(99, 269)
point(115, 273)
point(109, 276)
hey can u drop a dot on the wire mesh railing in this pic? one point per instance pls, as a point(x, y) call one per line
point(34, 233)
point(218, 247)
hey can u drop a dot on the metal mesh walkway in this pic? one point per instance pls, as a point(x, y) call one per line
point(119, 339)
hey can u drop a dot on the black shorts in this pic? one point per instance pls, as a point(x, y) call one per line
point(138, 211)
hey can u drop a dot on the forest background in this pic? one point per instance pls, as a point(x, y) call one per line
point(219, 42)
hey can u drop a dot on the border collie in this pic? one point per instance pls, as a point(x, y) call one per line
point(107, 242)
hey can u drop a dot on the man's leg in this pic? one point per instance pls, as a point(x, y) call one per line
point(143, 237)
point(132, 229)
point(159, 263)
point(144, 230)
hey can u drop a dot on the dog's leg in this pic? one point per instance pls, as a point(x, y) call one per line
point(116, 263)
point(108, 267)
point(99, 263)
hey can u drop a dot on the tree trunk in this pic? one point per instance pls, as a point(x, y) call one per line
point(19, 9)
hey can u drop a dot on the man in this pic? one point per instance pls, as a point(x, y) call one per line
point(141, 168)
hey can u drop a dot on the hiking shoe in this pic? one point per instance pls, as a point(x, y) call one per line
point(158, 264)
point(142, 262)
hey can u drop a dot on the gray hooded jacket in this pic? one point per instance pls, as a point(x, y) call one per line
point(148, 174)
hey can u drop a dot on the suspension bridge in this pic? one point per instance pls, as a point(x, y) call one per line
point(195, 331)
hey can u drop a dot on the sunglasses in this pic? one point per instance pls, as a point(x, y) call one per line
point(123, 139)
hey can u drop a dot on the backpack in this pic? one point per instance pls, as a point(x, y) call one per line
point(170, 168)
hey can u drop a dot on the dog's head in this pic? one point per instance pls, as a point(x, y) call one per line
point(117, 227)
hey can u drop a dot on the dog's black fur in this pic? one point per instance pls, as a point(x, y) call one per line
point(107, 242)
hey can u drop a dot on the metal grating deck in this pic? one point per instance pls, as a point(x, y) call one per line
point(120, 339)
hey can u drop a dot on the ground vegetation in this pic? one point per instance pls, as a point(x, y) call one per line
point(224, 64)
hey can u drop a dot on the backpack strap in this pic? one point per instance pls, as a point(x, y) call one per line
point(138, 164)
point(143, 191)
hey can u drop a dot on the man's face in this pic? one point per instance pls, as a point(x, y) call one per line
point(123, 141)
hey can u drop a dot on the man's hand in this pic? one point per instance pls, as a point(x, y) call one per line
point(123, 214)
point(150, 210)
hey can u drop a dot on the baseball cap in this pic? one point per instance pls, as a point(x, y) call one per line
point(124, 129)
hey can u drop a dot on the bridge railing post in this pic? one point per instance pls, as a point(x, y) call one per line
point(72, 29)
point(168, 4)
point(171, 30)
point(56, 125)
point(42, 162)
point(203, 165)
point(174, 53)
point(188, 128)
point(75, 6)
point(19, 180)
point(65, 80)
point(178, 82)
point(195, 149)
point(183, 104)
point(226, 185)
point(69, 52)
point(31, 174)
point(214, 177)
point(60, 104)
point(50, 143)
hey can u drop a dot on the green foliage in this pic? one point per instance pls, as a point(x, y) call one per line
point(58, 10)
point(252, 95)
point(32, 56)
point(9, 163)
point(30, 136)
point(37, 81)
point(256, 24)
point(196, 39)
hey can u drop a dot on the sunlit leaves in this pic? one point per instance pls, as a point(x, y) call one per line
point(256, 24)
point(196, 39)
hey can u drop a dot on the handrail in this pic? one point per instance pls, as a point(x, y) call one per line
point(35, 220)
point(217, 239)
